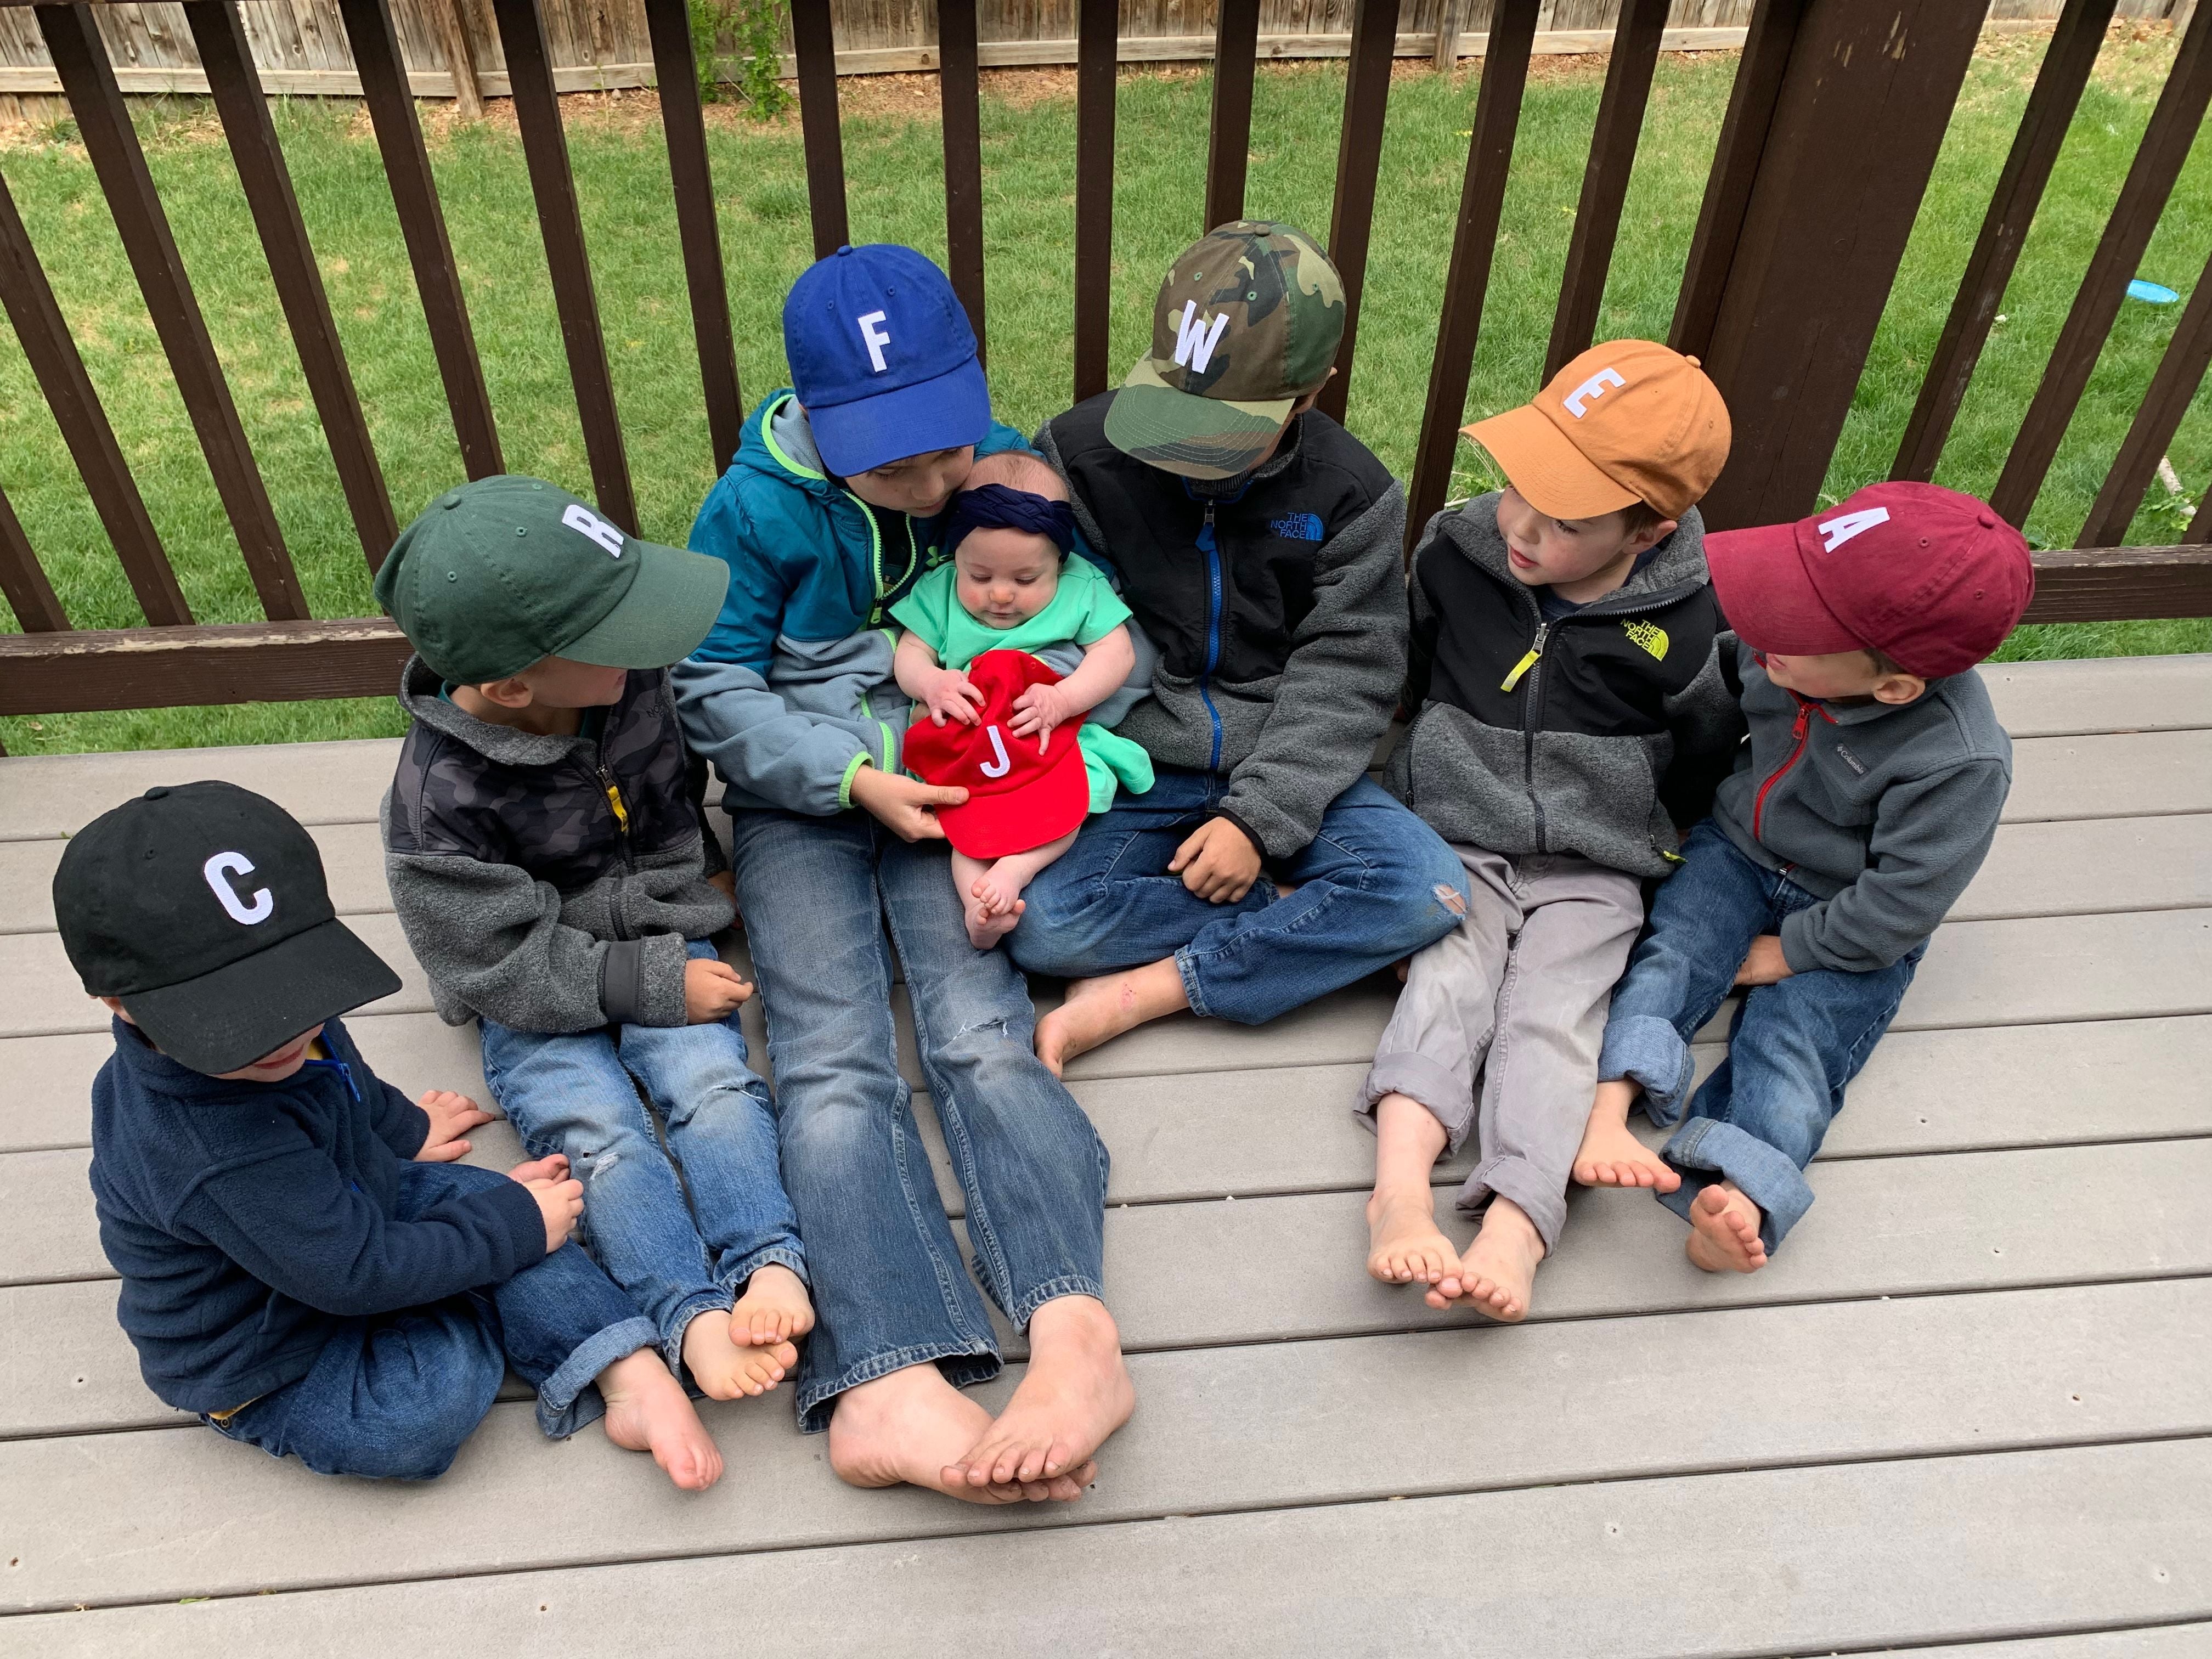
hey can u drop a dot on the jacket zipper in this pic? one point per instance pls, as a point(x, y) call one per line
point(1210, 548)
point(876, 610)
point(1532, 666)
point(614, 794)
point(1798, 728)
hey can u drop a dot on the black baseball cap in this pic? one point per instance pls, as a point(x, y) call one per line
point(202, 907)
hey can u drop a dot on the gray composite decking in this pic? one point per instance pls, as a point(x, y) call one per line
point(1968, 1411)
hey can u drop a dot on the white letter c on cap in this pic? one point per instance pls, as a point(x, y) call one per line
point(218, 869)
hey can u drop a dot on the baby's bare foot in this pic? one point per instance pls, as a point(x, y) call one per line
point(1404, 1245)
point(905, 1428)
point(1724, 1231)
point(1611, 1156)
point(725, 1368)
point(774, 1307)
point(647, 1410)
point(1076, 1393)
point(986, 928)
point(1498, 1271)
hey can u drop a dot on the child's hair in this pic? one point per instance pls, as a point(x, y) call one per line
point(1883, 664)
point(1640, 516)
point(1018, 469)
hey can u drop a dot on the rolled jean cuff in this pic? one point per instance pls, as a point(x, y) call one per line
point(1187, 966)
point(1414, 1075)
point(1769, 1177)
point(670, 1341)
point(1647, 1051)
point(568, 1400)
point(1542, 1198)
point(963, 1364)
point(779, 1255)
point(1051, 1291)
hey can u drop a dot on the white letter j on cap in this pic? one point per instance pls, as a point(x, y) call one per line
point(876, 338)
point(218, 869)
point(1003, 763)
point(1592, 389)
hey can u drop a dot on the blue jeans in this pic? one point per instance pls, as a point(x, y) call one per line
point(1792, 1048)
point(392, 1396)
point(1375, 885)
point(574, 1094)
point(890, 1289)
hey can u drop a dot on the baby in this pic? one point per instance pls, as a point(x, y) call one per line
point(1009, 591)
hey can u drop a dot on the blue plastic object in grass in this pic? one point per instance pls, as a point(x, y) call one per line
point(2157, 293)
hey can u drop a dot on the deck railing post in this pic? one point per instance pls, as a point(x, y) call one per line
point(1359, 159)
point(959, 92)
point(815, 45)
point(2171, 389)
point(1097, 46)
point(38, 609)
point(1228, 135)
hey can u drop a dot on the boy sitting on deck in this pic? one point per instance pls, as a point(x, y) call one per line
point(1566, 696)
point(303, 1263)
point(550, 865)
point(1861, 807)
point(1258, 545)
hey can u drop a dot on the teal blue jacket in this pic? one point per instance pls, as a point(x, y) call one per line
point(792, 694)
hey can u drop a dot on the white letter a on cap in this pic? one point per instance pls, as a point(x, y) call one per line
point(1834, 533)
point(219, 869)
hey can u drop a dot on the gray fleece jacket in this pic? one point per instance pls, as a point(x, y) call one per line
point(1884, 812)
point(551, 884)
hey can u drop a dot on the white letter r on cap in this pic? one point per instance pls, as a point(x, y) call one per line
point(222, 866)
point(876, 338)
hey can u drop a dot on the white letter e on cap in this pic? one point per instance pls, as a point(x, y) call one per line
point(219, 869)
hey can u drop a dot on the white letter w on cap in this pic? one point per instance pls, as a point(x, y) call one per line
point(875, 337)
point(1834, 533)
point(1592, 389)
point(1194, 341)
point(219, 869)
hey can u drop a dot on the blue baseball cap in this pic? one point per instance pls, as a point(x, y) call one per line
point(883, 358)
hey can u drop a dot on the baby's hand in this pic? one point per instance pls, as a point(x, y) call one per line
point(713, 990)
point(452, 1116)
point(561, 1202)
point(1039, 709)
point(949, 695)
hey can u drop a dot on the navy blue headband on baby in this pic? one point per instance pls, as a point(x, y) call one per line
point(1000, 507)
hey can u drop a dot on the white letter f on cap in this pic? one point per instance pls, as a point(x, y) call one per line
point(219, 869)
point(875, 337)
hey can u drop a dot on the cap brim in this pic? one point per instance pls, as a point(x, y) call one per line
point(228, 1019)
point(948, 412)
point(1548, 473)
point(672, 605)
point(1044, 809)
point(1182, 433)
point(1766, 594)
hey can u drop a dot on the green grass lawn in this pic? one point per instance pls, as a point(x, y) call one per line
point(895, 191)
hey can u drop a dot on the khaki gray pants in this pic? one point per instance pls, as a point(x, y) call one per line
point(1519, 992)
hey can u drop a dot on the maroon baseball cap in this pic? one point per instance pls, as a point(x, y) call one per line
point(1930, 578)
point(1022, 791)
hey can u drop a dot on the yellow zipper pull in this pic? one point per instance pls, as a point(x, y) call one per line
point(1528, 661)
point(622, 812)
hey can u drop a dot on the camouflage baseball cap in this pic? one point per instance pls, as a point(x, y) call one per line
point(1246, 323)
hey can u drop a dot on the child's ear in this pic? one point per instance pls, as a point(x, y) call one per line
point(1652, 534)
point(1899, 689)
point(115, 1007)
point(513, 692)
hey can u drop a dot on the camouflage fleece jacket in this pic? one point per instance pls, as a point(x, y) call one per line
point(550, 884)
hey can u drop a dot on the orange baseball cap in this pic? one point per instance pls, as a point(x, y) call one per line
point(1627, 421)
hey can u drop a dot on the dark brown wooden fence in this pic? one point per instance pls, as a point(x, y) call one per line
point(1831, 132)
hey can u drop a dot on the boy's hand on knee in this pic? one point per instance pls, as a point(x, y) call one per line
point(906, 806)
point(713, 990)
point(561, 1202)
point(1766, 963)
point(1218, 862)
point(450, 1116)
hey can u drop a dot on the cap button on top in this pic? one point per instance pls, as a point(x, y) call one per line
point(1987, 520)
point(160, 791)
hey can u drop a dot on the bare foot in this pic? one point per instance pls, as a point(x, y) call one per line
point(774, 1307)
point(1609, 1155)
point(1724, 1231)
point(647, 1410)
point(1097, 1010)
point(1404, 1245)
point(1077, 1393)
point(987, 927)
point(725, 1368)
point(1499, 1268)
point(901, 1428)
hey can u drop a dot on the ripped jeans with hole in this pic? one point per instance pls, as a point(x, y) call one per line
point(586, 1093)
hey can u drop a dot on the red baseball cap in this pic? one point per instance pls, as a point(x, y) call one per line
point(1932, 578)
point(1022, 792)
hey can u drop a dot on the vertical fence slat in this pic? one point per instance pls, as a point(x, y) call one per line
point(1489, 158)
point(1359, 155)
point(1605, 181)
point(959, 92)
point(38, 609)
point(815, 44)
point(2066, 66)
point(236, 86)
point(1751, 100)
point(669, 22)
point(69, 393)
point(2180, 372)
point(1229, 139)
point(559, 222)
point(104, 123)
point(1097, 32)
point(423, 222)
point(2159, 158)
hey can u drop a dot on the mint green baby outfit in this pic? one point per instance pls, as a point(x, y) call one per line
point(1084, 611)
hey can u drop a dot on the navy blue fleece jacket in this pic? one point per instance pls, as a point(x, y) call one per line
point(248, 1219)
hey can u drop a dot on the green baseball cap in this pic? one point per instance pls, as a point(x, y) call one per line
point(1247, 324)
point(505, 572)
